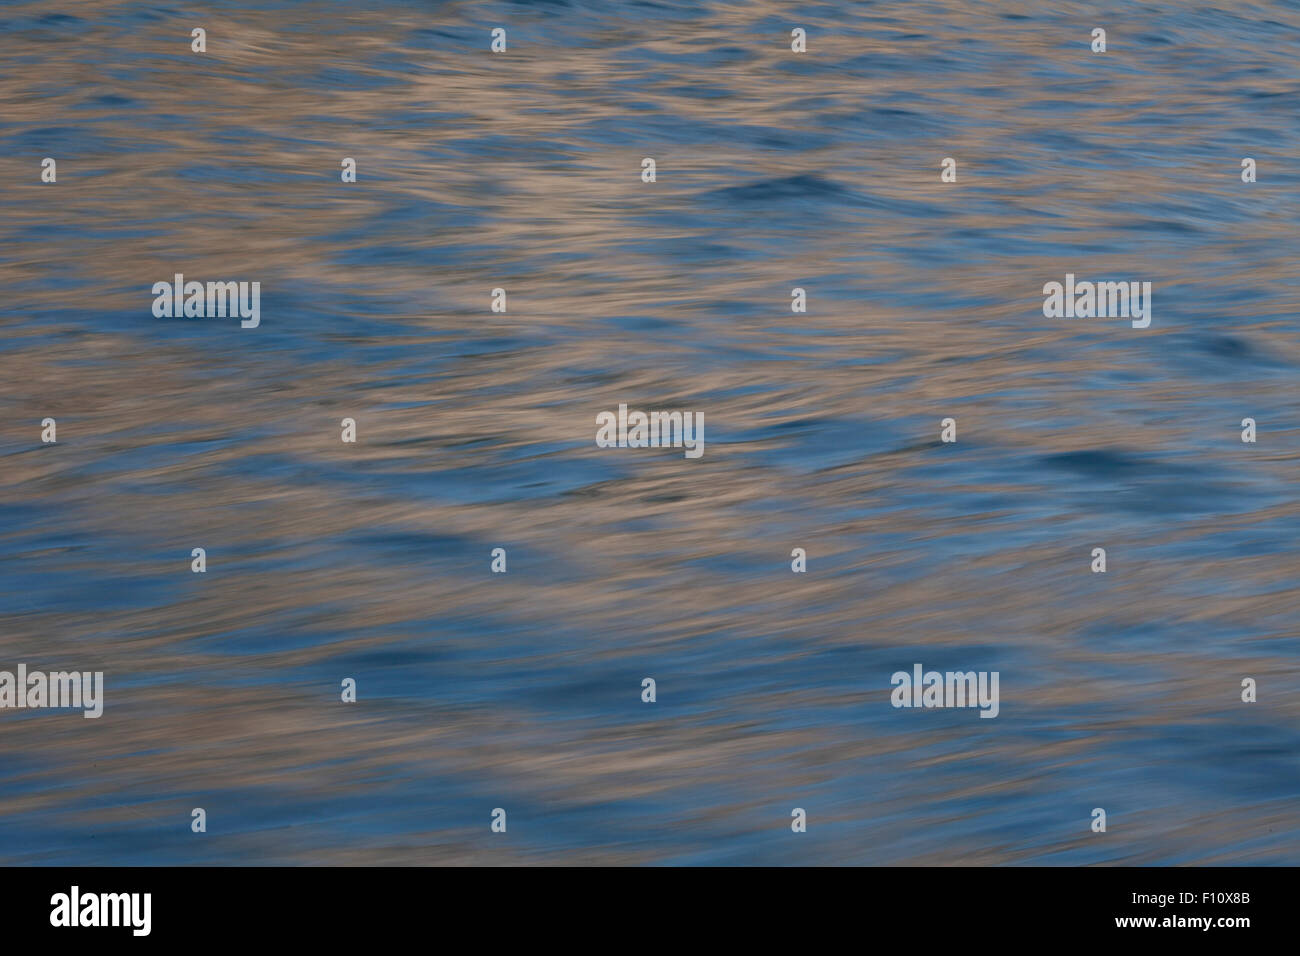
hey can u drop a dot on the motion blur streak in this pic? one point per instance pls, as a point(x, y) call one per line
point(475, 430)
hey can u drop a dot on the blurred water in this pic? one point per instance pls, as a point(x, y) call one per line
point(476, 430)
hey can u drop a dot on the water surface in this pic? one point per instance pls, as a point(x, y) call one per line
point(476, 430)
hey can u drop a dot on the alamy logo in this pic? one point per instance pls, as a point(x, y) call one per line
point(656, 430)
point(1104, 300)
point(953, 689)
point(80, 689)
point(103, 909)
point(192, 300)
